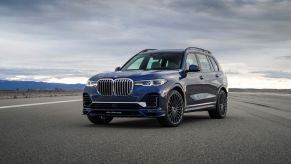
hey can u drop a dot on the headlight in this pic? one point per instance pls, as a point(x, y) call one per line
point(155, 82)
point(91, 83)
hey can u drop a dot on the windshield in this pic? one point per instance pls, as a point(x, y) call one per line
point(155, 61)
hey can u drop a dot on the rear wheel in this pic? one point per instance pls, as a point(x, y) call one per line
point(99, 119)
point(221, 106)
point(174, 108)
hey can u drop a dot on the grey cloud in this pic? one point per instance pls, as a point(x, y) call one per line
point(88, 35)
point(232, 72)
point(240, 9)
point(115, 17)
point(274, 74)
point(287, 57)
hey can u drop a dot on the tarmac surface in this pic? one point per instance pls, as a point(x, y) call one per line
point(257, 129)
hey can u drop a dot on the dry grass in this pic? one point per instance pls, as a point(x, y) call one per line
point(14, 94)
point(37, 93)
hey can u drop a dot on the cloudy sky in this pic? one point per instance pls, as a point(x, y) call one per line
point(68, 41)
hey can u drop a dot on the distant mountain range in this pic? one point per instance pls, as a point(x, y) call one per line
point(25, 85)
point(34, 85)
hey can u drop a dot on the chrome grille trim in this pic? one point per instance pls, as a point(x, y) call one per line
point(117, 87)
point(104, 87)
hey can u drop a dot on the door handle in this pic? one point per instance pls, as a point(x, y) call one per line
point(201, 77)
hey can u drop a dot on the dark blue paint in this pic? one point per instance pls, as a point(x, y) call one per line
point(190, 82)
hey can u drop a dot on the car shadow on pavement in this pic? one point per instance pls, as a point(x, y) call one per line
point(149, 123)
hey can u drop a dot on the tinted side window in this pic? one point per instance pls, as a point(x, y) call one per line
point(204, 63)
point(191, 59)
point(215, 66)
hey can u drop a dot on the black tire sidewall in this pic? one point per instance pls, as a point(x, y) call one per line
point(218, 104)
point(166, 107)
point(98, 120)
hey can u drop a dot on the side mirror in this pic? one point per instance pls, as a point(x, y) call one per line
point(117, 69)
point(193, 68)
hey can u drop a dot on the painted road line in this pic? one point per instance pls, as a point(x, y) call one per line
point(35, 104)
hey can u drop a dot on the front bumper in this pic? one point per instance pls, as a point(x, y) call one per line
point(144, 112)
point(134, 105)
point(123, 109)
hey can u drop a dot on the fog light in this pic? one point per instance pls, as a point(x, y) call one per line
point(152, 101)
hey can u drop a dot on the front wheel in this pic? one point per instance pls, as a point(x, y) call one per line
point(221, 106)
point(174, 108)
point(99, 119)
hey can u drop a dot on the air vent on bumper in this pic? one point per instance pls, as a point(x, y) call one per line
point(86, 99)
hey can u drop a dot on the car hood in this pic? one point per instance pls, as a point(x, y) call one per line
point(137, 75)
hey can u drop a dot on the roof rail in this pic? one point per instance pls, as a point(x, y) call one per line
point(198, 49)
point(146, 50)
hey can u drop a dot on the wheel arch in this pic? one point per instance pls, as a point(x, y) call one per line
point(223, 88)
point(179, 88)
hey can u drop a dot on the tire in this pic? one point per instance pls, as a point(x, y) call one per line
point(174, 109)
point(99, 119)
point(221, 106)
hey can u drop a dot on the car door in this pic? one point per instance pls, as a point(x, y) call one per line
point(208, 89)
point(217, 75)
point(193, 81)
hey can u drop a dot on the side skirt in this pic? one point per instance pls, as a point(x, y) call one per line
point(200, 107)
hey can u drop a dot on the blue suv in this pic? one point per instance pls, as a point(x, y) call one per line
point(163, 84)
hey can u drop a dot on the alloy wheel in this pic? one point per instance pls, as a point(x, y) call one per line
point(222, 104)
point(175, 108)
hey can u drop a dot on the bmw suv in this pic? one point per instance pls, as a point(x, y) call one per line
point(163, 84)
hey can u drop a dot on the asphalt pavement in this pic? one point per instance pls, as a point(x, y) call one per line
point(257, 129)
